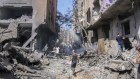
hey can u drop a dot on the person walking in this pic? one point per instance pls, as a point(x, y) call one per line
point(120, 42)
point(127, 43)
point(74, 61)
point(57, 51)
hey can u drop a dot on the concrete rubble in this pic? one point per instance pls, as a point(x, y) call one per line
point(94, 66)
point(23, 63)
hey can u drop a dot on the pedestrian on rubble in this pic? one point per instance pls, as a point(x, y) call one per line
point(57, 51)
point(120, 42)
point(74, 61)
point(127, 43)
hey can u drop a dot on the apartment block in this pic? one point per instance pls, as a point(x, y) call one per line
point(107, 18)
point(29, 21)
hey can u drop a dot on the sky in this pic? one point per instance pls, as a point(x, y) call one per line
point(64, 5)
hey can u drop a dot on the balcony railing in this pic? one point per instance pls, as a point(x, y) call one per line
point(105, 4)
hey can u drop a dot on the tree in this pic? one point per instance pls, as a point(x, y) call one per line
point(64, 19)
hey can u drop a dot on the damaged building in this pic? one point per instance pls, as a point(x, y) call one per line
point(104, 19)
point(28, 23)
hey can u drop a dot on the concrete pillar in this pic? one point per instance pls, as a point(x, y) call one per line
point(101, 46)
point(90, 35)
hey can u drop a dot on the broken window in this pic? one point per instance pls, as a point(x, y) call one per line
point(126, 28)
point(15, 12)
point(24, 32)
point(88, 15)
point(106, 29)
point(82, 4)
point(95, 35)
point(84, 36)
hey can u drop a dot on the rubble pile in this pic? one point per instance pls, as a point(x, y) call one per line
point(24, 64)
point(23, 18)
point(21, 62)
point(121, 66)
point(25, 57)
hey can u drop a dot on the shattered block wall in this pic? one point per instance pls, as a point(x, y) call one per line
point(7, 32)
point(29, 13)
point(134, 23)
point(116, 26)
point(101, 39)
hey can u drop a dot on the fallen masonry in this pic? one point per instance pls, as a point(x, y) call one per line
point(23, 63)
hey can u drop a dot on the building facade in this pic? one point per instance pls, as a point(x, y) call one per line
point(104, 19)
point(33, 21)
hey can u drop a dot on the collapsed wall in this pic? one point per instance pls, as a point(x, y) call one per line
point(15, 21)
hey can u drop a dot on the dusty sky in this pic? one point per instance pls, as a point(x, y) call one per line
point(63, 5)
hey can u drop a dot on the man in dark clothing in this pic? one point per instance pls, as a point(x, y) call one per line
point(120, 42)
point(74, 62)
point(127, 43)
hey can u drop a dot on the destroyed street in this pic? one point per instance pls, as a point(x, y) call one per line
point(69, 39)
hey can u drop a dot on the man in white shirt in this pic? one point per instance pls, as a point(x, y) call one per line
point(56, 51)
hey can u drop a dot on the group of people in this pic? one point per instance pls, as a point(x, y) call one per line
point(123, 42)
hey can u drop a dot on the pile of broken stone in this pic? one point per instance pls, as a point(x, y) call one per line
point(121, 66)
point(21, 62)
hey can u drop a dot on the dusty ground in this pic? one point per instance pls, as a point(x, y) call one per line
point(60, 69)
point(92, 68)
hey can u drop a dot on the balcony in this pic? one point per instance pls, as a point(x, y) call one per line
point(109, 11)
point(15, 3)
point(105, 4)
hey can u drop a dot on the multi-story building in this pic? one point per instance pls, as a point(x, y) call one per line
point(106, 18)
point(28, 20)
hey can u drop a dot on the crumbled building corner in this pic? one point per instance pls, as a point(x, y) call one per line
point(20, 49)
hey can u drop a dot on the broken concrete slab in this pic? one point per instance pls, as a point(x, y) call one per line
point(112, 76)
point(119, 65)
